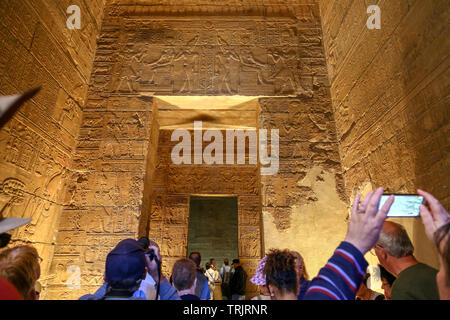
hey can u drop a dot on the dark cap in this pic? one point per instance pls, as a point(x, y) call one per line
point(144, 242)
point(236, 261)
point(125, 264)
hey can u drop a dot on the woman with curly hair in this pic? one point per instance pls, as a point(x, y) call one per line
point(281, 275)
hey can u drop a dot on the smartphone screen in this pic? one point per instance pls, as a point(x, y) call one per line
point(405, 205)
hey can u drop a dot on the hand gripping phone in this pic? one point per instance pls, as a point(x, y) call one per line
point(405, 205)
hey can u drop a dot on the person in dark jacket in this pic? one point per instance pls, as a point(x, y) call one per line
point(238, 281)
point(202, 287)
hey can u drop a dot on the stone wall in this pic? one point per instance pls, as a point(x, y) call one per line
point(108, 171)
point(105, 196)
point(37, 144)
point(304, 205)
point(390, 88)
point(119, 187)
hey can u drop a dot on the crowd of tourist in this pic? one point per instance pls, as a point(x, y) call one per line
point(133, 267)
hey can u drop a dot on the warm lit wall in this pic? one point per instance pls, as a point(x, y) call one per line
point(304, 206)
point(390, 98)
point(98, 184)
point(36, 146)
point(189, 48)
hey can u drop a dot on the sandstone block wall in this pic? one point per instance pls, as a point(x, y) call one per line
point(36, 146)
point(390, 92)
point(304, 205)
point(95, 164)
point(123, 184)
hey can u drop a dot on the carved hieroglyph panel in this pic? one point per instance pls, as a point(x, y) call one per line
point(203, 57)
point(250, 265)
point(201, 179)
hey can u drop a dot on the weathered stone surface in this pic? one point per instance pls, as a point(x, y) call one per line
point(89, 156)
point(36, 146)
point(389, 89)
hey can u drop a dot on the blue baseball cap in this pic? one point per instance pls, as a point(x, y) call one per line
point(125, 264)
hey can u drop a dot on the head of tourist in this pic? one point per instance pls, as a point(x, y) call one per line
point(207, 266)
point(184, 276)
point(125, 266)
point(144, 242)
point(387, 280)
point(196, 258)
point(280, 272)
point(226, 261)
point(235, 263)
point(20, 267)
point(300, 263)
point(212, 261)
point(259, 279)
point(442, 241)
point(393, 247)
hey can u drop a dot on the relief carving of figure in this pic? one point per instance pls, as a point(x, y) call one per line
point(190, 60)
point(69, 111)
point(249, 61)
point(129, 70)
point(223, 64)
point(165, 60)
point(286, 70)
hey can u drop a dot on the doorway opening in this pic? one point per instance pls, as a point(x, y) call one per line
point(213, 228)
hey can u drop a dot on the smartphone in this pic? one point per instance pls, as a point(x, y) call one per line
point(405, 205)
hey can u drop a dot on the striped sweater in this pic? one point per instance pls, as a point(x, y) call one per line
point(341, 277)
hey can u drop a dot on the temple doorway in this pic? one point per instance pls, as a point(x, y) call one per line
point(213, 228)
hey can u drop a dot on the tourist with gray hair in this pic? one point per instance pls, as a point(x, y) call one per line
point(415, 280)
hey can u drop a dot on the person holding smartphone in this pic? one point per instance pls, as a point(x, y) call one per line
point(437, 227)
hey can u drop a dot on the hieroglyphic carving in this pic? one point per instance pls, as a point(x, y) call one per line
point(203, 179)
point(250, 265)
point(207, 57)
point(28, 201)
point(249, 210)
point(115, 125)
point(67, 112)
point(249, 241)
point(24, 149)
point(12, 189)
point(106, 188)
point(174, 241)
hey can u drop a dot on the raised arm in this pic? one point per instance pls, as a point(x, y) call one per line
point(433, 214)
point(341, 277)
